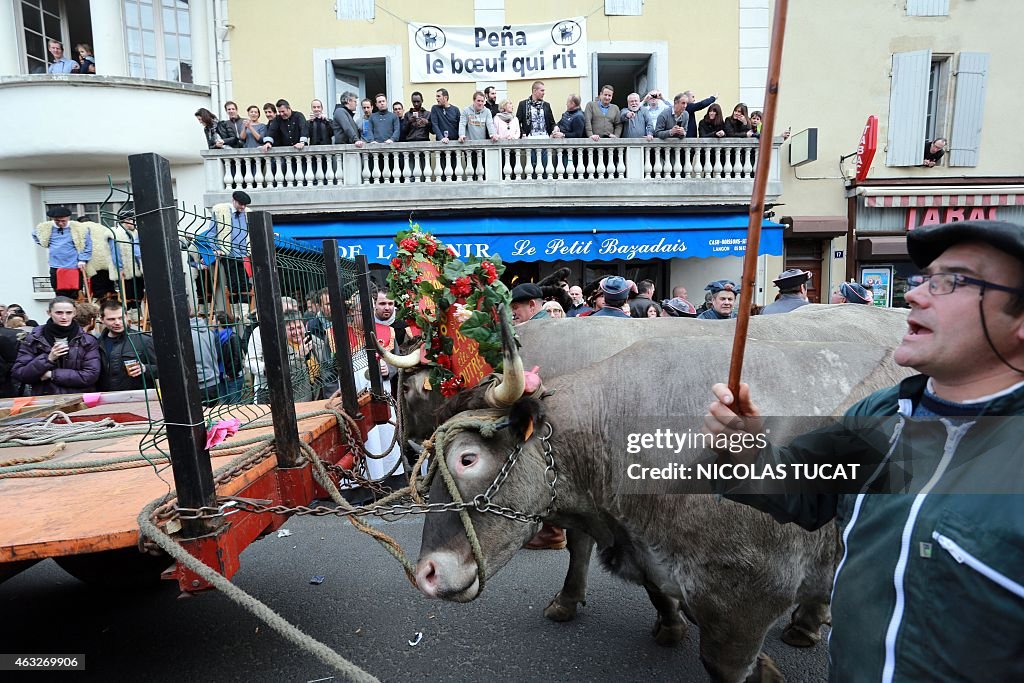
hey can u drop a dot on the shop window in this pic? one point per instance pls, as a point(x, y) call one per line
point(159, 39)
point(45, 20)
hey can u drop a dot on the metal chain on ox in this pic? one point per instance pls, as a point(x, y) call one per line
point(404, 501)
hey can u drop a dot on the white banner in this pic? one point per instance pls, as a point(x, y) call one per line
point(513, 52)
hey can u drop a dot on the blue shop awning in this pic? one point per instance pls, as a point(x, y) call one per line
point(554, 238)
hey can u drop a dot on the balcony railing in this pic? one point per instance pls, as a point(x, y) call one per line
point(524, 172)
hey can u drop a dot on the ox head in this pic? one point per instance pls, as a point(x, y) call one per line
point(504, 443)
point(513, 453)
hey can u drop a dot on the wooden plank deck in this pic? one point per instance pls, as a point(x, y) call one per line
point(66, 515)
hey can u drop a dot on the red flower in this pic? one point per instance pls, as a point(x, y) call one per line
point(490, 271)
point(462, 287)
point(451, 386)
point(431, 247)
point(444, 360)
point(451, 250)
point(396, 263)
point(409, 244)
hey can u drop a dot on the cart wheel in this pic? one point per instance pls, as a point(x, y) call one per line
point(124, 568)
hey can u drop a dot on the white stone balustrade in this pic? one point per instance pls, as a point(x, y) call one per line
point(526, 173)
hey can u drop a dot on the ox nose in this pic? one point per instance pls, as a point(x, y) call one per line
point(428, 577)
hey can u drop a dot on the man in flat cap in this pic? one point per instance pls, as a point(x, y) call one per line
point(616, 291)
point(851, 293)
point(723, 300)
point(931, 584)
point(792, 286)
point(225, 245)
point(527, 303)
point(69, 247)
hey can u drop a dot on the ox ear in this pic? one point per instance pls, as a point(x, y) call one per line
point(525, 417)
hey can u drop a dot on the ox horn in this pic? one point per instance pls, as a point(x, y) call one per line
point(513, 382)
point(409, 360)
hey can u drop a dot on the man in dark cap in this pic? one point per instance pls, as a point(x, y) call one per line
point(924, 550)
point(792, 286)
point(723, 300)
point(225, 245)
point(851, 293)
point(69, 247)
point(616, 291)
point(527, 303)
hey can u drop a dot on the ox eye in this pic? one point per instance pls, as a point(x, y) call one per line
point(468, 459)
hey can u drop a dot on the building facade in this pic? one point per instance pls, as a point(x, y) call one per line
point(676, 214)
point(926, 69)
point(156, 63)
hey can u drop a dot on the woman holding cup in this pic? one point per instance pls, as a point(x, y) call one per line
point(58, 357)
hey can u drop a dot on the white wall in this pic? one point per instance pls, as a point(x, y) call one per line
point(21, 197)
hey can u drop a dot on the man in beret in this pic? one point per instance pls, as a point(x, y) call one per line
point(527, 303)
point(616, 291)
point(851, 293)
point(225, 244)
point(69, 247)
point(792, 286)
point(931, 582)
point(723, 300)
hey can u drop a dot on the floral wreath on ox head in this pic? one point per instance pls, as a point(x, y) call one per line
point(423, 300)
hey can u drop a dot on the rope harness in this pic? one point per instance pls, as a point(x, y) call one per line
point(155, 517)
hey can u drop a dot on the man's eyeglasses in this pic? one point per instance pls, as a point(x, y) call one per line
point(946, 283)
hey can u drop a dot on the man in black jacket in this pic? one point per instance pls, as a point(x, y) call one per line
point(416, 122)
point(692, 107)
point(320, 132)
point(288, 128)
point(127, 357)
point(534, 114)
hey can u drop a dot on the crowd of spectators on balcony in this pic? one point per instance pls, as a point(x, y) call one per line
point(380, 121)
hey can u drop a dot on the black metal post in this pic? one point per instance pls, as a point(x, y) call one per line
point(339, 325)
point(272, 335)
point(369, 327)
point(156, 216)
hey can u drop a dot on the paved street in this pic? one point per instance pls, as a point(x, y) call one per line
point(365, 610)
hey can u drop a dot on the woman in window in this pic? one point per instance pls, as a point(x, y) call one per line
point(713, 123)
point(58, 357)
point(738, 125)
point(86, 62)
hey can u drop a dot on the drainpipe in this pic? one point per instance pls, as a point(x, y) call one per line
point(211, 46)
point(223, 56)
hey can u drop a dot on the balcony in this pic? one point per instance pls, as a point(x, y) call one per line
point(525, 173)
point(73, 121)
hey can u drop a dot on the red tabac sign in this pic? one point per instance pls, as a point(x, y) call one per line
point(866, 148)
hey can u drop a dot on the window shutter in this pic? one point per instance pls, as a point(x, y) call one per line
point(908, 108)
point(355, 9)
point(623, 8)
point(79, 194)
point(968, 109)
point(927, 8)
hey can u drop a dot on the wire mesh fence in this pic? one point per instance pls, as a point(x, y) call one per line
point(217, 260)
